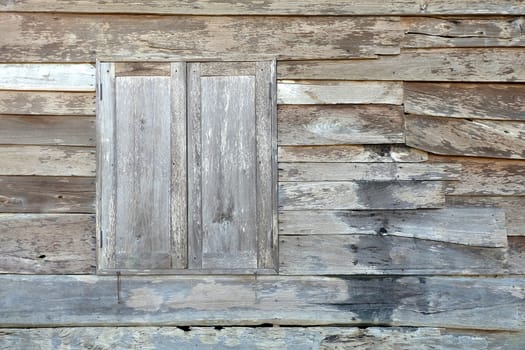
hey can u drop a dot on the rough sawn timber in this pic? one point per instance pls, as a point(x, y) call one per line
point(47, 103)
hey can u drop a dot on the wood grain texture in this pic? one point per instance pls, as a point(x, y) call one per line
point(348, 92)
point(380, 255)
point(285, 338)
point(469, 137)
point(457, 64)
point(83, 38)
point(47, 103)
point(463, 32)
point(47, 160)
point(367, 171)
point(512, 206)
point(39, 194)
point(47, 130)
point(482, 227)
point(457, 100)
point(352, 153)
point(50, 77)
point(340, 124)
point(131, 69)
point(185, 300)
point(47, 243)
point(361, 195)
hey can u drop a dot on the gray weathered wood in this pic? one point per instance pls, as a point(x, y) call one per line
point(51, 77)
point(458, 64)
point(83, 38)
point(457, 100)
point(47, 243)
point(352, 153)
point(380, 255)
point(44, 130)
point(367, 171)
point(516, 257)
point(483, 227)
point(469, 137)
point(47, 103)
point(463, 32)
point(143, 168)
point(52, 301)
point(361, 195)
point(285, 338)
point(47, 160)
point(361, 92)
point(340, 124)
point(45, 194)
point(274, 7)
point(123, 69)
point(512, 206)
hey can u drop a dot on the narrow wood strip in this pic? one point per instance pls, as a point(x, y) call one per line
point(349, 92)
point(124, 69)
point(47, 130)
point(36, 194)
point(47, 160)
point(47, 243)
point(361, 195)
point(482, 227)
point(250, 300)
point(469, 137)
point(47, 103)
point(352, 153)
point(47, 77)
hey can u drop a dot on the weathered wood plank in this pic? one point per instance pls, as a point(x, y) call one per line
point(273, 7)
point(512, 206)
point(367, 171)
point(35, 194)
point(462, 32)
point(47, 103)
point(469, 137)
point(457, 100)
point(380, 255)
point(352, 153)
point(483, 227)
point(340, 124)
point(47, 160)
point(84, 38)
point(185, 300)
point(458, 64)
point(285, 338)
point(47, 243)
point(50, 77)
point(516, 257)
point(130, 69)
point(361, 195)
point(354, 92)
point(47, 130)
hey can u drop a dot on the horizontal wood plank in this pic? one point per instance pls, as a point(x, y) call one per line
point(463, 32)
point(273, 7)
point(56, 301)
point(47, 103)
point(469, 137)
point(458, 64)
point(457, 100)
point(52, 37)
point(39, 194)
point(348, 92)
point(47, 160)
point(340, 124)
point(483, 227)
point(351, 153)
point(47, 130)
point(361, 195)
point(285, 338)
point(50, 77)
point(47, 243)
point(367, 171)
point(379, 255)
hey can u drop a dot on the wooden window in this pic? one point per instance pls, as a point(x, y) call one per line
point(186, 167)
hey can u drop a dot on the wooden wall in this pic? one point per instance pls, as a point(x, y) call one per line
point(401, 175)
